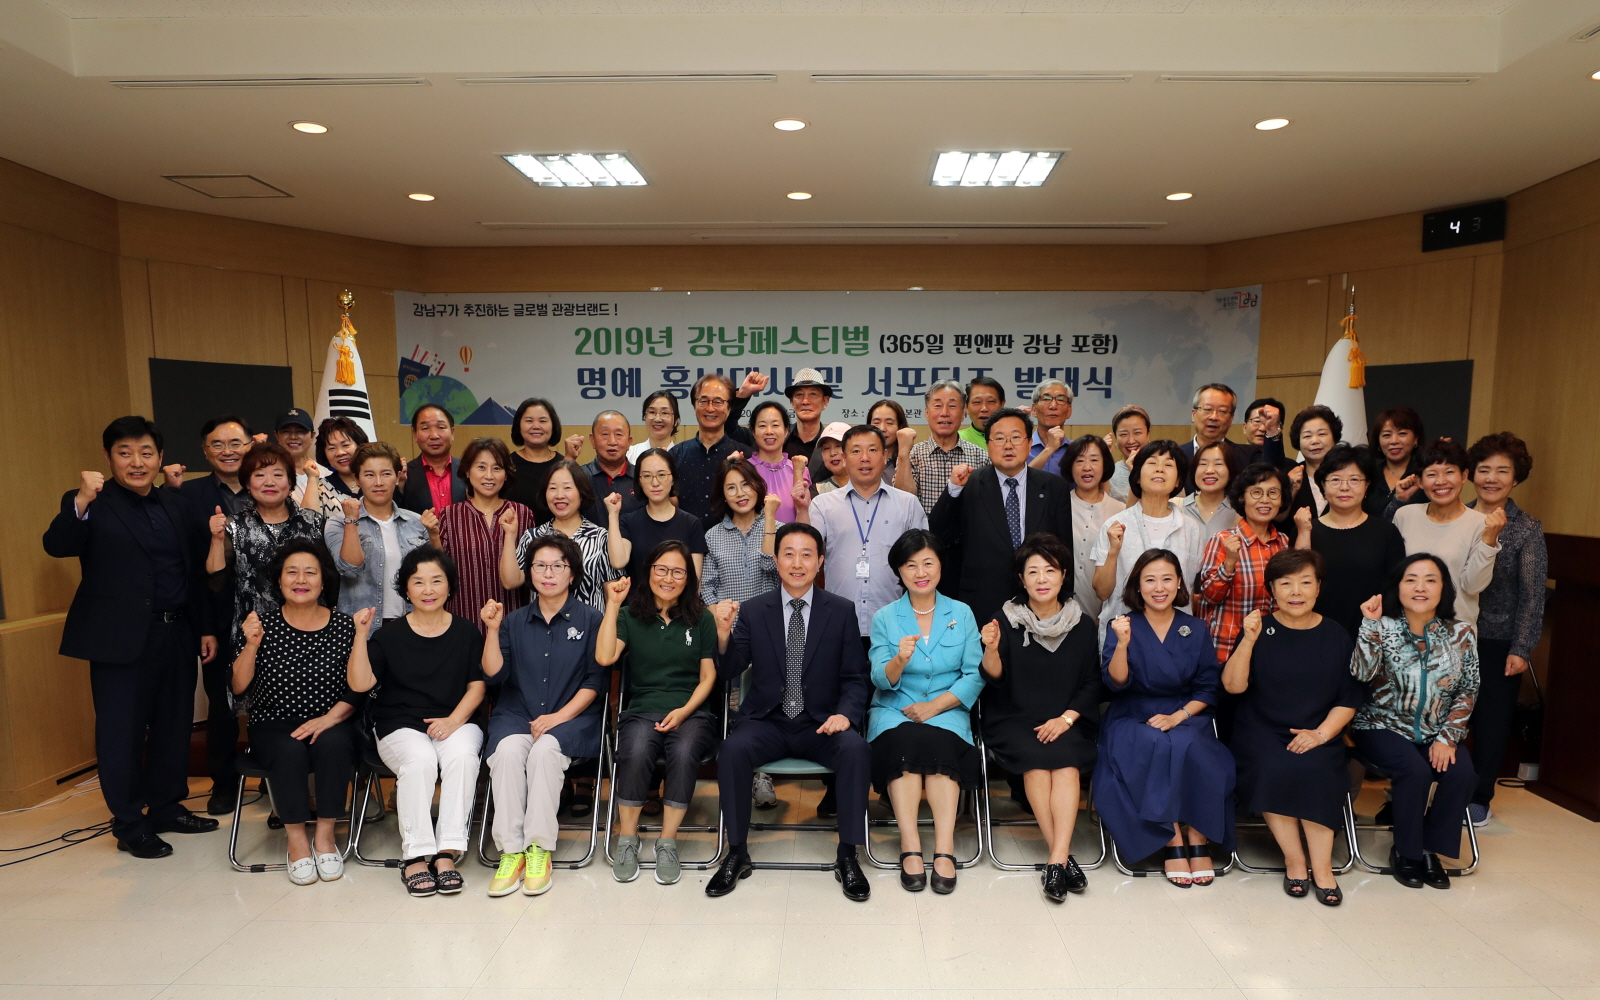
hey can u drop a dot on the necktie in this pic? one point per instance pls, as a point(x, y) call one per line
point(1013, 512)
point(793, 696)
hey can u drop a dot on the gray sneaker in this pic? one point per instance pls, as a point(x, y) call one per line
point(762, 794)
point(626, 866)
point(668, 869)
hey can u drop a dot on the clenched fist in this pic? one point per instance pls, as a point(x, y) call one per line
point(1302, 520)
point(1252, 625)
point(1122, 626)
point(351, 507)
point(574, 446)
point(430, 520)
point(492, 614)
point(905, 437)
point(961, 475)
point(617, 590)
point(1372, 607)
point(173, 475)
point(253, 631)
point(508, 518)
point(363, 620)
point(1114, 533)
point(753, 383)
point(1492, 525)
point(218, 523)
point(773, 502)
point(1053, 437)
point(89, 486)
point(908, 645)
point(991, 634)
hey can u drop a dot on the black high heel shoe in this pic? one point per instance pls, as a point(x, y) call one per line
point(943, 886)
point(1299, 888)
point(908, 881)
point(1328, 897)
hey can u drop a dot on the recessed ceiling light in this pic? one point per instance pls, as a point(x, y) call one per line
point(1271, 124)
point(1179, 196)
point(419, 196)
point(577, 169)
point(994, 168)
point(799, 196)
point(311, 128)
point(1595, 75)
point(788, 124)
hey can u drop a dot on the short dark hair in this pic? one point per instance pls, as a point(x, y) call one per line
point(1254, 475)
point(425, 554)
point(799, 527)
point(1316, 412)
point(1230, 460)
point(1132, 599)
point(124, 428)
point(860, 429)
point(378, 449)
point(1164, 446)
point(667, 395)
point(343, 425)
point(1292, 561)
point(770, 404)
point(313, 547)
point(1447, 590)
point(1404, 418)
point(569, 551)
point(1343, 456)
point(478, 446)
point(1443, 451)
point(231, 418)
point(910, 542)
point(1079, 446)
point(665, 456)
point(719, 501)
point(689, 608)
point(261, 455)
point(1213, 387)
point(1503, 443)
point(580, 479)
point(1004, 413)
point(416, 415)
point(528, 404)
point(1053, 551)
point(992, 383)
point(1256, 404)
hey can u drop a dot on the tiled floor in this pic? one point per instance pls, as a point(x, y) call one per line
point(88, 922)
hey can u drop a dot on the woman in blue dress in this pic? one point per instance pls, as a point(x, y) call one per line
point(1163, 778)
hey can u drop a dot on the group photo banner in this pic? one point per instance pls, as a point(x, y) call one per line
point(479, 355)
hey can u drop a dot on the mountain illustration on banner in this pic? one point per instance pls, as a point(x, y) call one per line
point(442, 391)
point(491, 412)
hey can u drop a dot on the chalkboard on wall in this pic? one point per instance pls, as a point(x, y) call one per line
point(188, 393)
point(1440, 392)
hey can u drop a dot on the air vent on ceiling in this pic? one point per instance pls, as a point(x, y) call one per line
point(228, 185)
point(485, 81)
point(865, 231)
point(1308, 78)
point(1587, 33)
point(299, 81)
point(970, 77)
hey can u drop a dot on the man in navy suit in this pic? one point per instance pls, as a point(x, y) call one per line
point(142, 618)
point(808, 690)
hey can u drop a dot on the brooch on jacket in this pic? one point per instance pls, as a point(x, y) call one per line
point(1183, 630)
point(573, 634)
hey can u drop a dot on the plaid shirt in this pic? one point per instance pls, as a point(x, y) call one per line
point(931, 465)
point(736, 568)
point(1222, 596)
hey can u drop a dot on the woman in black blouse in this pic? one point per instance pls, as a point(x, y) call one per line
point(1042, 704)
point(1358, 549)
point(291, 674)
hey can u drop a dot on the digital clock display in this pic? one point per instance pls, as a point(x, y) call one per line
point(1459, 227)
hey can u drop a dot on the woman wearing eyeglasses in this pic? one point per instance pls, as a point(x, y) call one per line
point(634, 535)
point(668, 679)
point(660, 423)
point(1358, 549)
point(1232, 578)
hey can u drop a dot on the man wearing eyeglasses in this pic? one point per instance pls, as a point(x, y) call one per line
point(1211, 412)
point(1052, 408)
point(716, 410)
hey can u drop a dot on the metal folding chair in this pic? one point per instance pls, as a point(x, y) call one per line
point(374, 770)
point(1221, 870)
point(989, 823)
point(1341, 869)
point(247, 767)
point(977, 805)
point(1353, 828)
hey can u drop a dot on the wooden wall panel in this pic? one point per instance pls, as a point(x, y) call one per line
point(1559, 205)
point(1295, 392)
point(138, 337)
point(1392, 241)
point(54, 207)
point(1294, 319)
point(47, 710)
point(1407, 314)
point(372, 314)
point(297, 343)
point(1483, 341)
point(211, 314)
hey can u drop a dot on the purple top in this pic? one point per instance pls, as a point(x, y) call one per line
point(779, 478)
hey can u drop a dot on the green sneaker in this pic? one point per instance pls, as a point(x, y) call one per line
point(625, 867)
point(537, 877)
point(668, 869)
point(508, 876)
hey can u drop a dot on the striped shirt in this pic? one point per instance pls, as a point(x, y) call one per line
point(475, 546)
point(931, 465)
point(591, 541)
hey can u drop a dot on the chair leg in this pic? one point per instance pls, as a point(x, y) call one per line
point(361, 825)
point(233, 832)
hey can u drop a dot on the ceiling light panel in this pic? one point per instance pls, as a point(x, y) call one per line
point(994, 168)
point(577, 169)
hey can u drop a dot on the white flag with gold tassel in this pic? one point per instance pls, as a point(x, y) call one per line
point(344, 381)
point(1344, 379)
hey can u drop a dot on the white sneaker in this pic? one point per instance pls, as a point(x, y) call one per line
point(762, 793)
point(330, 867)
point(303, 871)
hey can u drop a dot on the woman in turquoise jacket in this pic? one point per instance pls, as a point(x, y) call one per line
point(925, 656)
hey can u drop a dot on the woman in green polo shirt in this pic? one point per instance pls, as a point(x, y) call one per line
point(669, 676)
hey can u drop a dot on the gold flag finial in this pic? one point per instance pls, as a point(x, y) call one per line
point(346, 300)
point(345, 372)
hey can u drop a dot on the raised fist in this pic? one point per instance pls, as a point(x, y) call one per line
point(363, 620)
point(905, 437)
point(1122, 625)
point(1053, 437)
point(492, 613)
point(1407, 488)
point(1492, 525)
point(508, 518)
point(89, 486)
point(1296, 476)
point(218, 523)
point(724, 613)
point(801, 495)
point(430, 520)
point(617, 590)
point(908, 645)
point(799, 462)
point(1114, 532)
point(1302, 520)
point(773, 502)
point(574, 446)
point(960, 475)
point(1372, 607)
point(174, 474)
point(753, 383)
point(613, 504)
point(1230, 545)
point(991, 634)
point(1252, 624)
point(253, 630)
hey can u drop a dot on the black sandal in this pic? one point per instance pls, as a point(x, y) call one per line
point(449, 881)
point(1329, 897)
point(1299, 888)
point(1210, 874)
point(908, 881)
point(420, 883)
point(1177, 853)
point(944, 886)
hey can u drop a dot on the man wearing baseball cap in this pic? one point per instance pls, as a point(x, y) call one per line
point(808, 396)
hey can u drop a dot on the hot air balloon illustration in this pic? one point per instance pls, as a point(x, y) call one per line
point(466, 359)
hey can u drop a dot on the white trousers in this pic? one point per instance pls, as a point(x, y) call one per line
point(526, 776)
point(418, 761)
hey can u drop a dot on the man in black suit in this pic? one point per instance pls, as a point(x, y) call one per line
point(141, 617)
point(984, 515)
point(808, 691)
point(1211, 412)
point(431, 479)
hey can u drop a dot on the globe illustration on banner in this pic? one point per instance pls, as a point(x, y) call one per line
point(438, 390)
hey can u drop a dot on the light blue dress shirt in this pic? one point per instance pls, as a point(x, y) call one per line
point(947, 660)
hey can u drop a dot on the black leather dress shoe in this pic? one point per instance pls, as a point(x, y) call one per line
point(734, 867)
point(187, 823)
point(855, 884)
point(1406, 871)
point(1433, 873)
point(145, 845)
point(220, 803)
point(1077, 881)
point(1054, 883)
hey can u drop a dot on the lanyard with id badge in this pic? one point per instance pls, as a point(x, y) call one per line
point(863, 567)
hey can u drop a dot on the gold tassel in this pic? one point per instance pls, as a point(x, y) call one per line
point(1358, 360)
point(345, 371)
